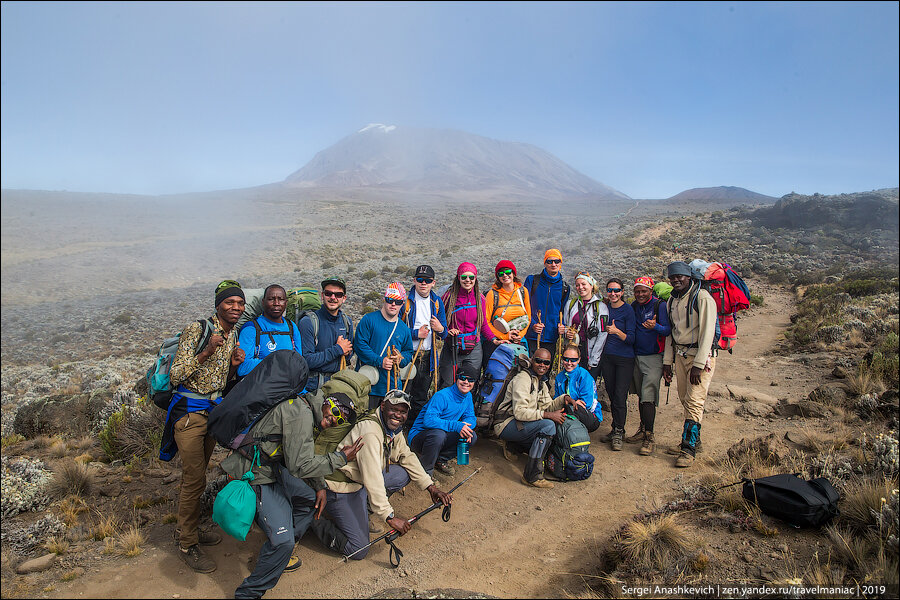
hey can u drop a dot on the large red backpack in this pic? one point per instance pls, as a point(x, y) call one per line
point(731, 295)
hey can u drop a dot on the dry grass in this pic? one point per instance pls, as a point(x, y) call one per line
point(42, 441)
point(852, 550)
point(109, 546)
point(170, 518)
point(861, 502)
point(105, 527)
point(84, 444)
point(71, 507)
point(131, 540)
point(59, 449)
point(73, 478)
point(823, 441)
point(655, 544)
point(85, 458)
point(57, 545)
point(71, 575)
point(864, 381)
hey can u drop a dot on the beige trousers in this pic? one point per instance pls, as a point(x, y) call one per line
point(195, 448)
point(693, 397)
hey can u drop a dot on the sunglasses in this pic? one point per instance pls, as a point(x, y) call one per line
point(613, 290)
point(336, 412)
point(396, 301)
point(504, 272)
point(465, 378)
point(329, 294)
point(553, 261)
point(467, 278)
point(570, 359)
point(424, 279)
point(541, 361)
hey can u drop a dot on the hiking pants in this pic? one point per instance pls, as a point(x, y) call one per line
point(589, 419)
point(534, 435)
point(617, 374)
point(472, 359)
point(647, 375)
point(350, 512)
point(418, 386)
point(284, 510)
point(434, 445)
point(693, 397)
point(196, 448)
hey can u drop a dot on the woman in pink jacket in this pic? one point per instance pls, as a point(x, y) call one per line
point(466, 324)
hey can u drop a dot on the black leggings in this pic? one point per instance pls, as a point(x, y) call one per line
point(617, 374)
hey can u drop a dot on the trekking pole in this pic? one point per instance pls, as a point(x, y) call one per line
point(393, 534)
point(454, 354)
point(343, 362)
point(537, 336)
point(415, 356)
point(668, 389)
point(437, 361)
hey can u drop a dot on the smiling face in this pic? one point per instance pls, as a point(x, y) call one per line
point(679, 282)
point(464, 384)
point(394, 414)
point(230, 309)
point(572, 363)
point(467, 280)
point(642, 294)
point(540, 363)
point(333, 296)
point(584, 289)
point(553, 265)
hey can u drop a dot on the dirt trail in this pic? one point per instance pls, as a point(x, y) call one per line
point(503, 539)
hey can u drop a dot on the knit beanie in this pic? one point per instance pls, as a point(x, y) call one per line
point(552, 253)
point(505, 264)
point(466, 267)
point(228, 292)
point(679, 267)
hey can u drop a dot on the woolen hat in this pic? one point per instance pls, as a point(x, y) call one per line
point(468, 370)
point(424, 271)
point(228, 292)
point(505, 264)
point(552, 253)
point(466, 267)
point(679, 267)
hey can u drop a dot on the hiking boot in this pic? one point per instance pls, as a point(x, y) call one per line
point(196, 559)
point(374, 527)
point(615, 439)
point(647, 445)
point(445, 468)
point(676, 450)
point(637, 437)
point(507, 453)
point(604, 439)
point(294, 563)
point(207, 538)
point(538, 483)
point(684, 460)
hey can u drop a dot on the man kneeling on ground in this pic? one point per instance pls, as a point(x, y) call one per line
point(447, 418)
point(384, 466)
point(289, 483)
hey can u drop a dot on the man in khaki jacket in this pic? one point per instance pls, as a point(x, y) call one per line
point(692, 313)
point(384, 465)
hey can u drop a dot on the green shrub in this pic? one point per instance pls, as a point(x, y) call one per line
point(372, 296)
point(401, 269)
point(756, 300)
point(132, 433)
point(369, 274)
point(123, 318)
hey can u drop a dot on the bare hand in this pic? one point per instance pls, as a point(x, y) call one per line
point(695, 375)
point(453, 331)
point(237, 355)
point(399, 525)
point(649, 323)
point(557, 416)
point(667, 373)
point(611, 328)
point(466, 432)
point(439, 496)
point(423, 332)
point(346, 345)
point(387, 363)
point(497, 341)
point(350, 451)
point(436, 325)
point(538, 328)
point(561, 329)
point(320, 503)
point(570, 334)
point(215, 340)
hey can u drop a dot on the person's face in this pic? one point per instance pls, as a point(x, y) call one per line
point(329, 418)
point(394, 414)
point(467, 280)
point(572, 362)
point(230, 309)
point(274, 304)
point(506, 277)
point(540, 364)
point(392, 306)
point(424, 285)
point(464, 384)
point(642, 294)
point(679, 282)
point(614, 291)
point(333, 296)
point(553, 265)
point(584, 289)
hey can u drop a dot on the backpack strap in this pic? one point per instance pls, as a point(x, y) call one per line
point(205, 333)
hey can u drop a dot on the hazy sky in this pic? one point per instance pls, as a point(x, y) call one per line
point(649, 98)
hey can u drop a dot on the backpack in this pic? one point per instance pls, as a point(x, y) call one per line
point(278, 377)
point(158, 383)
point(350, 382)
point(328, 440)
point(253, 307)
point(487, 416)
point(731, 295)
point(271, 334)
point(787, 497)
point(568, 458)
point(492, 382)
point(300, 302)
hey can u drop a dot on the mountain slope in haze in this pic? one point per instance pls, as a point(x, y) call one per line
point(442, 159)
point(723, 193)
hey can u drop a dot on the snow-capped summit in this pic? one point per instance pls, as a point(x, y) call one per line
point(384, 128)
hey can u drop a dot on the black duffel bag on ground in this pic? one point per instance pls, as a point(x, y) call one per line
point(796, 501)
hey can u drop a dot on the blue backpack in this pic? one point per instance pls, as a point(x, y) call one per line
point(158, 383)
point(568, 458)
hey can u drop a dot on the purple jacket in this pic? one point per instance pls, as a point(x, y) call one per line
point(464, 317)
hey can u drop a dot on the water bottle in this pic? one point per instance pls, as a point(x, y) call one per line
point(462, 452)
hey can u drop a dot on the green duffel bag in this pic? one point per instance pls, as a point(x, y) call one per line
point(235, 506)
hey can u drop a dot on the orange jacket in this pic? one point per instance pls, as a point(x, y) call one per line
point(515, 304)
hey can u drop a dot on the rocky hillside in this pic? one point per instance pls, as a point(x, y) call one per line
point(440, 159)
point(731, 194)
point(865, 211)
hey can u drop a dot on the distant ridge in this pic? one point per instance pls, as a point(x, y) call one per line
point(722, 193)
point(435, 160)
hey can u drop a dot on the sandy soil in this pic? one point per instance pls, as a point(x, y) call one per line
point(503, 539)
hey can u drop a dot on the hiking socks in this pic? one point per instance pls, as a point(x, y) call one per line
point(690, 437)
point(648, 415)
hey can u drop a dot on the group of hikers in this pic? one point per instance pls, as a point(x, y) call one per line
point(424, 354)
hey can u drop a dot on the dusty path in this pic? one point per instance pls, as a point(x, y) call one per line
point(503, 539)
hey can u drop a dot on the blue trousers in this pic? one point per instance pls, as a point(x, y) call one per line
point(534, 435)
point(284, 510)
point(433, 445)
point(350, 512)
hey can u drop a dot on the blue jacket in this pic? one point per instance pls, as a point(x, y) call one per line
point(408, 314)
point(646, 341)
point(548, 295)
point(447, 410)
point(372, 335)
point(624, 320)
point(579, 385)
point(322, 353)
point(267, 344)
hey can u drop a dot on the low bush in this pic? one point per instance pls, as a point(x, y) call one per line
point(72, 479)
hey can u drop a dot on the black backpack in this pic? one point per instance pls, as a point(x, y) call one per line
point(797, 502)
point(568, 458)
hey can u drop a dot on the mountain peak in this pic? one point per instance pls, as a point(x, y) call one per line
point(378, 127)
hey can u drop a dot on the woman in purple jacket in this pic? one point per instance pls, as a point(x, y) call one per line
point(466, 324)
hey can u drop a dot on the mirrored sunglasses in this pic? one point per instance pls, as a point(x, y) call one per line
point(570, 359)
point(424, 279)
point(465, 378)
point(467, 278)
point(613, 290)
point(504, 272)
point(553, 261)
point(396, 301)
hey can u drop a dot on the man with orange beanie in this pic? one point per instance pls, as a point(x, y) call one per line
point(548, 293)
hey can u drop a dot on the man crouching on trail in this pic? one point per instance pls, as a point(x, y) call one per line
point(384, 465)
point(289, 483)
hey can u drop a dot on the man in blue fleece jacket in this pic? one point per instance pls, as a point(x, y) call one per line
point(447, 418)
point(268, 332)
point(548, 294)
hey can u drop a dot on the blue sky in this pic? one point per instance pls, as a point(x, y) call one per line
point(649, 98)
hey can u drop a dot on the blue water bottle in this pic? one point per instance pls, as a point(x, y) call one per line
point(462, 452)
